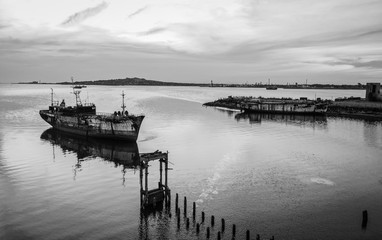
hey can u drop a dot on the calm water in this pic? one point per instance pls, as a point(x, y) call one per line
point(291, 177)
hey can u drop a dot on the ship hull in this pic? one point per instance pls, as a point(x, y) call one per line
point(292, 112)
point(95, 126)
point(291, 107)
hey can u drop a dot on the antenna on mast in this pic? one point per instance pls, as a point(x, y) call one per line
point(77, 91)
point(123, 102)
point(51, 97)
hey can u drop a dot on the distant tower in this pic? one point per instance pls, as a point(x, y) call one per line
point(373, 92)
point(212, 83)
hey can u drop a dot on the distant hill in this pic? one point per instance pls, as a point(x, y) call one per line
point(144, 82)
point(132, 81)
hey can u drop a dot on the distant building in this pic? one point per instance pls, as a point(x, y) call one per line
point(373, 92)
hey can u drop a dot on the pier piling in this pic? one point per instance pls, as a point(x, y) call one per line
point(185, 206)
point(176, 201)
point(219, 232)
point(193, 210)
point(364, 219)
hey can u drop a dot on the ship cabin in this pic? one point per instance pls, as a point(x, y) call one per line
point(89, 109)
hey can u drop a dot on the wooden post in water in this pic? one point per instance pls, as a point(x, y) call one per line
point(219, 236)
point(247, 235)
point(212, 220)
point(193, 210)
point(202, 217)
point(257, 237)
point(197, 228)
point(233, 231)
point(176, 201)
point(208, 232)
point(188, 223)
point(146, 183)
point(364, 219)
point(141, 183)
point(178, 222)
point(160, 172)
point(167, 190)
point(223, 225)
point(185, 206)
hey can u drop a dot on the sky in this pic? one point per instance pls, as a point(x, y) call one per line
point(226, 41)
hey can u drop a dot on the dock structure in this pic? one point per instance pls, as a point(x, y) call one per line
point(154, 197)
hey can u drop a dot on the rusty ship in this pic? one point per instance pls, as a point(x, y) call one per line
point(284, 106)
point(82, 119)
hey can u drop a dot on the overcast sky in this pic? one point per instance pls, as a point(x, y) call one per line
point(228, 41)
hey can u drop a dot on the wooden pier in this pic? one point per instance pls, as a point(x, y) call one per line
point(154, 197)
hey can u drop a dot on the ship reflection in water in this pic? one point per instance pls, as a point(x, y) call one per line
point(122, 153)
point(314, 121)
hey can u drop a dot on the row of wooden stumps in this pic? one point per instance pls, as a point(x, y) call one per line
point(155, 198)
point(222, 229)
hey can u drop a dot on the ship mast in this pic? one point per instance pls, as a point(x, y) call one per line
point(77, 91)
point(51, 97)
point(123, 102)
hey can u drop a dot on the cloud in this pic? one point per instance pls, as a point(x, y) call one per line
point(2, 26)
point(357, 63)
point(83, 15)
point(225, 39)
point(154, 31)
point(137, 12)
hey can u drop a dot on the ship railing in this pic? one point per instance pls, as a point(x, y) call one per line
point(104, 113)
point(86, 104)
point(112, 114)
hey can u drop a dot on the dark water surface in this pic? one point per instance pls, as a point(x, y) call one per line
point(291, 177)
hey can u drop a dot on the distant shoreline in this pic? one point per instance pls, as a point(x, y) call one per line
point(145, 82)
